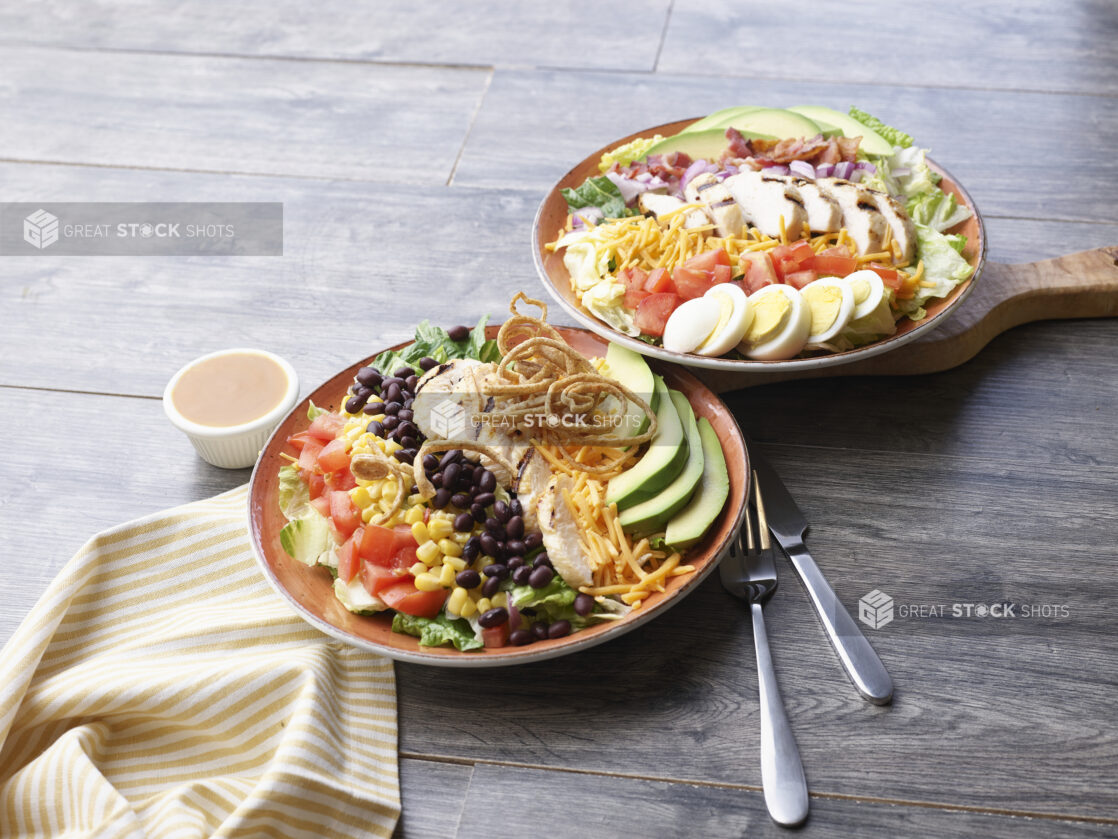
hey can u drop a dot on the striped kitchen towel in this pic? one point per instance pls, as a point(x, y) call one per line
point(160, 688)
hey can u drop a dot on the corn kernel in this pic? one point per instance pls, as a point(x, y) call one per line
point(469, 609)
point(457, 563)
point(461, 538)
point(446, 574)
point(427, 582)
point(391, 447)
point(483, 605)
point(428, 553)
point(360, 497)
point(380, 442)
point(414, 515)
point(458, 598)
point(501, 599)
point(417, 569)
point(415, 498)
point(439, 528)
point(419, 531)
point(369, 512)
point(450, 547)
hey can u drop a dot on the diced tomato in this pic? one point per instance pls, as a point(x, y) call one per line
point(348, 558)
point(691, 283)
point(832, 265)
point(759, 271)
point(403, 536)
point(345, 516)
point(405, 557)
point(308, 457)
point(378, 545)
point(653, 313)
point(722, 274)
point(800, 278)
point(322, 504)
point(835, 250)
point(633, 278)
point(634, 296)
point(316, 484)
point(342, 479)
point(788, 259)
point(495, 636)
point(707, 260)
point(334, 456)
point(889, 276)
point(405, 597)
point(659, 282)
point(325, 427)
point(297, 441)
point(376, 578)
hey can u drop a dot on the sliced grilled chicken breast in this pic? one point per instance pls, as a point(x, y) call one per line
point(823, 212)
point(658, 204)
point(560, 533)
point(719, 201)
point(765, 200)
point(904, 232)
point(860, 216)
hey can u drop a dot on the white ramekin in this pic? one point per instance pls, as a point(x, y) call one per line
point(234, 446)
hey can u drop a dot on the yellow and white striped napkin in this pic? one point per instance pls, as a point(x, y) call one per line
point(160, 688)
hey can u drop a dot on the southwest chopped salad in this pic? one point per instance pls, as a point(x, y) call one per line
point(765, 234)
point(499, 492)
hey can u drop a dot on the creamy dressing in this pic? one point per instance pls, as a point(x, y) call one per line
point(231, 389)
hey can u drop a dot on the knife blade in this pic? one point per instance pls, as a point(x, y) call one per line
point(788, 524)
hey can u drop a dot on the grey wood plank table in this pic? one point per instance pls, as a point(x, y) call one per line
point(410, 145)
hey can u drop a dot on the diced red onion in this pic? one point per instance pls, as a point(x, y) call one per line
point(628, 187)
point(699, 167)
point(857, 175)
point(868, 167)
point(802, 168)
point(843, 170)
point(824, 170)
point(643, 177)
point(586, 215)
point(775, 170)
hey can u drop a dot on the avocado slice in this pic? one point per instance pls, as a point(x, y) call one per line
point(630, 369)
point(690, 524)
point(872, 142)
point(720, 118)
point(305, 539)
point(777, 123)
point(659, 465)
point(652, 515)
point(707, 144)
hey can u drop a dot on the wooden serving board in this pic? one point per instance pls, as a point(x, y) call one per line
point(1080, 285)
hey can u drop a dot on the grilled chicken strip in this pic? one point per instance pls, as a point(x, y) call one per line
point(766, 199)
point(860, 215)
point(719, 201)
point(823, 212)
point(560, 533)
point(904, 232)
point(658, 204)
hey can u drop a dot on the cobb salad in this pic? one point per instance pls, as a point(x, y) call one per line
point(498, 492)
point(764, 234)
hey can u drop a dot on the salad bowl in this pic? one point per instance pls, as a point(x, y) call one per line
point(309, 591)
point(551, 218)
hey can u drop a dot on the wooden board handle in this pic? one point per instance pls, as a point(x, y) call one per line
point(1079, 285)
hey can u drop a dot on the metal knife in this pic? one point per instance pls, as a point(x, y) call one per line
point(788, 525)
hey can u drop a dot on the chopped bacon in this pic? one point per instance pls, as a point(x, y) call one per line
point(848, 147)
point(739, 146)
point(790, 148)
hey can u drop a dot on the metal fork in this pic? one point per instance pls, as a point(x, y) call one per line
point(751, 576)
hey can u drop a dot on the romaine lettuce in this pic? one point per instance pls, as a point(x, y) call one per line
point(434, 341)
point(598, 192)
point(294, 497)
point(434, 632)
point(944, 269)
point(892, 135)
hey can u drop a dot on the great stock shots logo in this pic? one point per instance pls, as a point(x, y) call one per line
point(448, 419)
point(875, 610)
point(40, 229)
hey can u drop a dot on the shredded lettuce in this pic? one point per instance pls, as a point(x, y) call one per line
point(938, 210)
point(434, 341)
point(598, 192)
point(623, 155)
point(602, 294)
point(294, 497)
point(892, 135)
point(944, 268)
point(434, 632)
point(314, 411)
point(305, 539)
point(555, 601)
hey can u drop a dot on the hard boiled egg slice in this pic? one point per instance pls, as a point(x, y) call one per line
point(733, 321)
point(691, 324)
point(868, 291)
point(831, 301)
point(781, 323)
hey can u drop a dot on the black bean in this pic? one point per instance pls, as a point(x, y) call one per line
point(515, 562)
point(533, 541)
point(584, 604)
point(458, 333)
point(472, 549)
point(450, 457)
point(494, 617)
point(487, 482)
point(478, 512)
point(490, 587)
point(495, 527)
point(405, 414)
point(463, 522)
point(540, 577)
point(376, 427)
point(559, 629)
point(391, 380)
point(450, 475)
point(501, 511)
point(426, 363)
point(539, 629)
point(407, 441)
point(463, 501)
point(390, 422)
point(405, 455)
point(374, 408)
point(514, 527)
point(430, 462)
point(354, 404)
point(408, 400)
point(522, 576)
point(411, 381)
point(541, 561)
point(403, 373)
point(392, 408)
point(437, 479)
point(521, 637)
point(489, 545)
point(484, 499)
point(515, 546)
point(369, 376)
point(468, 578)
point(441, 499)
point(392, 393)
point(496, 570)
point(363, 392)
point(515, 507)
point(407, 428)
